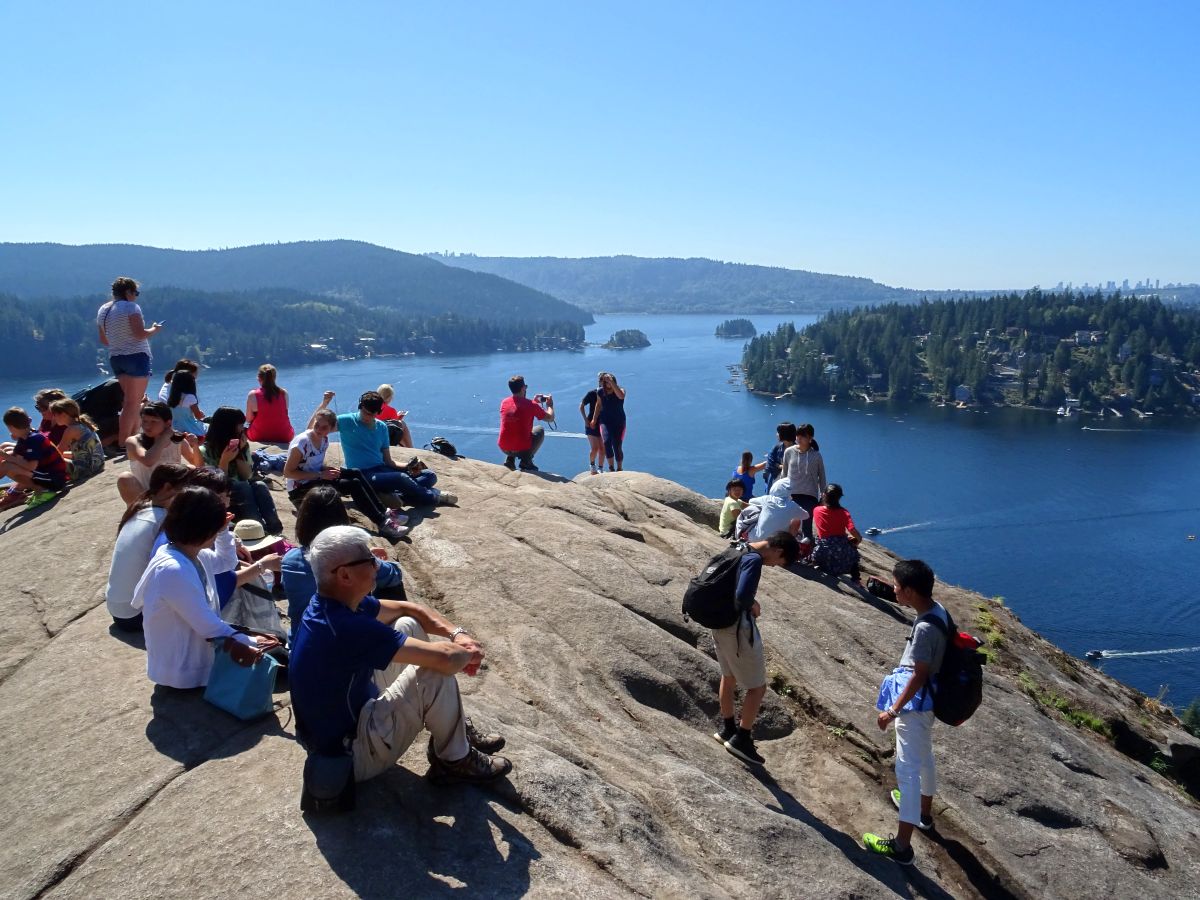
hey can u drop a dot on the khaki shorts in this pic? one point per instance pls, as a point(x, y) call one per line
point(744, 661)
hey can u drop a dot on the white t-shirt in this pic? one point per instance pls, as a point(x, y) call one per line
point(114, 318)
point(312, 456)
point(131, 555)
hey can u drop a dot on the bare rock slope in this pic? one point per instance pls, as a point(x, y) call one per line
point(607, 697)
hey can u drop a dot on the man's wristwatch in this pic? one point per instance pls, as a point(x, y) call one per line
point(456, 632)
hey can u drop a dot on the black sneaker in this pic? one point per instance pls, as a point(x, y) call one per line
point(474, 768)
point(741, 745)
point(510, 464)
point(488, 742)
point(530, 468)
point(725, 732)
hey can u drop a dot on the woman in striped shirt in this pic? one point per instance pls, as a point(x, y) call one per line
point(123, 330)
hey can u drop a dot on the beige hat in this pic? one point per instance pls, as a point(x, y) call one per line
point(253, 536)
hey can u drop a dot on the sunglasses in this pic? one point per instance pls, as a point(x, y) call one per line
point(360, 562)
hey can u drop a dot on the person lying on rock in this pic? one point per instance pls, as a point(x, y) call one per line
point(903, 699)
point(367, 448)
point(366, 678)
point(729, 585)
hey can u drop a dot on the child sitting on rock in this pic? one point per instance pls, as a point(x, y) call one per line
point(80, 444)
point(32, 462)
point(733, 505)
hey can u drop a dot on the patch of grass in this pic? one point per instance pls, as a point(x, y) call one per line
point(782, 686)
point(1161, 765)
point(1080, 718)
point(989, 654)
point(835, 731)
point(993, 633)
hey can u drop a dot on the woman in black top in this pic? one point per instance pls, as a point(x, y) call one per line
point(610, 418)
point(587, 409)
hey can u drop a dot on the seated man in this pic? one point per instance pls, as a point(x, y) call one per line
point(32, 462)
point(518, 436)
point(347, 705)
point(366, 447)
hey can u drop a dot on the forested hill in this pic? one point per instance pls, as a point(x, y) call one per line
point(350, 270)
point(1031, 349)
point(636, 284)
point(248, 328)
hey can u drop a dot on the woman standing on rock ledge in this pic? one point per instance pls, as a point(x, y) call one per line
point(123, 331)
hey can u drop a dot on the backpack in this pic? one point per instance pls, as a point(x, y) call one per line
point(959, 686)
point(443, 446)
point(709, 598)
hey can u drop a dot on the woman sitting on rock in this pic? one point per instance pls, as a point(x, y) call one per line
point(305, 469)
point(185, 405)
point(178, 600)
point(136, 534)
point(226, 448)
point(836, 549)
point(80, 444)
point(156, 444)
point(322, 508)
point(267, 410)
point(745, 473)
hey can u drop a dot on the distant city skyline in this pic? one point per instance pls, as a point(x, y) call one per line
point(938, 146)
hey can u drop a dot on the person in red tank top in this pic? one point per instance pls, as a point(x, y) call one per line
point(267, 410)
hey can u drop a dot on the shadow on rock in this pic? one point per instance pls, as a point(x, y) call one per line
point(905, 881)
point(28, 515)
point(190, 730)
point(135, 639)
point(430, 841)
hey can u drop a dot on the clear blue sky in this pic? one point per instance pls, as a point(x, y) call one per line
point(932, 145)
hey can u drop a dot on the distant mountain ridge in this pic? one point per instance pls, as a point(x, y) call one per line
point(348, 270)
point(637, 284)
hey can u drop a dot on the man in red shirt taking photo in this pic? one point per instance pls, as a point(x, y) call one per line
point(519, 437)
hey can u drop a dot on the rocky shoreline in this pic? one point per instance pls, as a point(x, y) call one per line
point(607, 697)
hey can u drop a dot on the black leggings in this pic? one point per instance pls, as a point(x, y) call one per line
point(252, 500)
point(613, 436)
point(808, 502)
point(355, 484)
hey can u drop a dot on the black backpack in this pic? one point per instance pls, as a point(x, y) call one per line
point(959, 688)
point(709, 598)
point(443, 446)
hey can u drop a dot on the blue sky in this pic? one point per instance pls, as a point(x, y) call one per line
point(929, 145)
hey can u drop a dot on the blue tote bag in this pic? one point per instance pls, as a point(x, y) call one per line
point(242, 691)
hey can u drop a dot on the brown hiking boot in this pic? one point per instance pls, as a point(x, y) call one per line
point(488, 742)
point(474, 768)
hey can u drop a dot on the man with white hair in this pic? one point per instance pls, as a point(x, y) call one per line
point(366, 678)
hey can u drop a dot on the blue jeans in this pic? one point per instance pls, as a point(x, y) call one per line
point(419, 491)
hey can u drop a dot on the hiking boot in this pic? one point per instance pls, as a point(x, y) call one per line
point(510, 464)
point(725, 732)
point(37, 498)
point(926, 823)
point(393, 533)
point(887, 847)
point(487, 742)
point(741, 745)
point(474, 768)
point(529, 468)
point(445, 498)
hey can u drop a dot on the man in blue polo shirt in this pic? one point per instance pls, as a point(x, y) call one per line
point(366, 679)
point(366, 447)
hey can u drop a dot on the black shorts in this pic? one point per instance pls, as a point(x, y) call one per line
point(48, 481)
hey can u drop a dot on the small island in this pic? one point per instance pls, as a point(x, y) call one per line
point(627, 339)
point(736, 328)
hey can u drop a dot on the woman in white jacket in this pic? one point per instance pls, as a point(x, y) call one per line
point(178, 597)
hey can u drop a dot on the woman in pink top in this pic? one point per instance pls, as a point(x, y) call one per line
point(267, 410)
point(836, 549)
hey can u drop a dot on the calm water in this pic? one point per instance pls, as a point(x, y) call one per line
point(1084, 533)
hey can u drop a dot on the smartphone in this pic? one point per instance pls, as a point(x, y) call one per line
point(233, 444)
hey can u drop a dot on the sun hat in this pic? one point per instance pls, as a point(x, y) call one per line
point(253, 536)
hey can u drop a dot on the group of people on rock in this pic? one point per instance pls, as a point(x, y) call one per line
point(799, 500)
point(65, 447)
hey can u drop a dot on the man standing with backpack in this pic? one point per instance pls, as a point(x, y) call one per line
point(907, 698)
point(722, 598)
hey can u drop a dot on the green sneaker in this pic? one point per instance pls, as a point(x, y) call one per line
point(37, 498)
point(926, 823)
point(887, 847)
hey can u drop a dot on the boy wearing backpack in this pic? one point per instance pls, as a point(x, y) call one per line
point(906, 698)
point(722, 598)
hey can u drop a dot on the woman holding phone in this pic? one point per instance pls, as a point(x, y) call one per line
point(123, 331)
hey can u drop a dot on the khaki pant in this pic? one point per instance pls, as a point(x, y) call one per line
point(744, 661)
point(410, 699)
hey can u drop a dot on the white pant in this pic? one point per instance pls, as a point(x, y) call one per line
point(915, 772)
point(410, 699)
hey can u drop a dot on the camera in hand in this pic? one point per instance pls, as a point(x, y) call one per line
point(177, 437)
point(881, 589)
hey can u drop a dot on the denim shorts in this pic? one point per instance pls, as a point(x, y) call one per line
point(136, 365)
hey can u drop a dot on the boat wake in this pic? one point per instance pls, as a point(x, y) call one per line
point(482, 429)
point(903, 527)
point(1120, 654)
